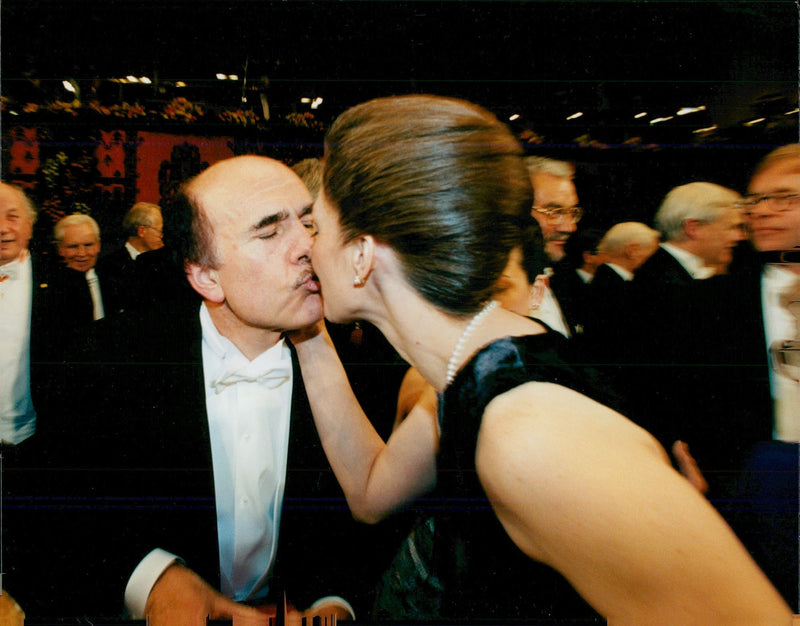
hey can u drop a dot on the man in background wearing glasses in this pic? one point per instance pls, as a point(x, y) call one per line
point(556, 210)
point(766, 305)
point(772, 210)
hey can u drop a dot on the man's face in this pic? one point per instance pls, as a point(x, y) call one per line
point(79, 247)
point(152, 236)
point(719, 238)
point(16, 224)
point(554, 192)
point(259, 213)
point(775, 224)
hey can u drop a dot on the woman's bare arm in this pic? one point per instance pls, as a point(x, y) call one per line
point(377, 477)
point(581, 488)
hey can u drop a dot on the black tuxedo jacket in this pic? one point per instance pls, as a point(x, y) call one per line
point(607, 318)
point(120, 282)
point(572, 295)
point(662, 269)
point(699, 369)
point(137, 450)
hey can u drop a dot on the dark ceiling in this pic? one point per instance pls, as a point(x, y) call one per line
point(543, 60)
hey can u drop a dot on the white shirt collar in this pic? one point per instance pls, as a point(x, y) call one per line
point(133, 252)
point(621, 271)
point(225, 354)
point(690, 262)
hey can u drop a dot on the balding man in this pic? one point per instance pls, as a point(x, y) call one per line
point(201, 408)
point(144, 226)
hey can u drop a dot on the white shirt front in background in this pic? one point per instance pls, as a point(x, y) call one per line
point(17, 414)
point(781, 325)
point(690, 262)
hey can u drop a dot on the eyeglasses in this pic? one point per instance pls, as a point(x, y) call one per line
point(560, 215)
point(158, 230)
point(776, 202)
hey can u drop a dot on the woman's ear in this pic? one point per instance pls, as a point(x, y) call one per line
point(205, 281)
point(363, 257)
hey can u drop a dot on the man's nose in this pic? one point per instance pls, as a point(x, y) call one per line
point(567, 226)
point(304, 242)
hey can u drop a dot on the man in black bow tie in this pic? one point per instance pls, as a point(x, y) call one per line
point(222, 495)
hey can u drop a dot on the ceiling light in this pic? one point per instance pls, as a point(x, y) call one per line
point(145, 80)
point(513, 117)
point(315, 104)
point(233, 77)
point(132, 79)
point(792, 112)
point(707, 129)
point(658, 120)
point(639, 115)
point(687, 110)
point(68, 85)
point(755, 121)
point(222, 77)
point(575, 116)
point(180, 83)
point(305, 100)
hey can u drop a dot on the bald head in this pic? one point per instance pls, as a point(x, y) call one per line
point(211, 197)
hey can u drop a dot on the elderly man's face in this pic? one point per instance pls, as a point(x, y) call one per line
point(16, 224)
point(720, 237)
point(152, 236)
point(774, 223)
point(259, 212)
point(79, 247)
point(554, 192)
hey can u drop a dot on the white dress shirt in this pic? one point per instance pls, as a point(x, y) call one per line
point(17, 414)
point(624, 274)
point(132, 252)
point(249, 429)
point(97, 299)
point(690, 262)
point(780, 325)
point(585, 276)
point(549, 310)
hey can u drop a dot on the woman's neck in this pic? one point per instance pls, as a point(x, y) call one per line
point(427, 337)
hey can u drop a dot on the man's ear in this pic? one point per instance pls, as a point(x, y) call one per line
point(363, 256)
point(140, 230)
point(632, 249)
point(205, 281)
point(690, 227)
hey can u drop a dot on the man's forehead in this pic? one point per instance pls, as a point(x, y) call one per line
point(786, 173)
point(79, 231)
point(11, 199)
point(269, 185)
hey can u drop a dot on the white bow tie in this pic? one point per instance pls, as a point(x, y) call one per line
point(272, 378)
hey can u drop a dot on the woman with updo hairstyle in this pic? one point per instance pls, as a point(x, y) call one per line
point(532, 480)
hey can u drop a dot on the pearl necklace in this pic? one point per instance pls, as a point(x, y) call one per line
point(454, 358)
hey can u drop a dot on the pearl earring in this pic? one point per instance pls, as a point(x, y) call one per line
point(358, 281)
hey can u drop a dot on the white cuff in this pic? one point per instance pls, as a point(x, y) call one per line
point(143, 579)
point(334, 600)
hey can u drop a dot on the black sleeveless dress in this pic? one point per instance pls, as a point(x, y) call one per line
point(483, 575)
